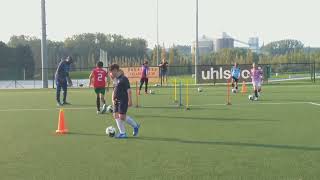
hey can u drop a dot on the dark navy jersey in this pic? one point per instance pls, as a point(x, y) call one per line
point(121, 89)
point(62, 72)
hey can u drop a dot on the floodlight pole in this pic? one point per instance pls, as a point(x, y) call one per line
point(197, 46)
point(158, 33)
point(44, 55)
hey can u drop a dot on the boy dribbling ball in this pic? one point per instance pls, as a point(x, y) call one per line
point(122, 100)
point(98, 77)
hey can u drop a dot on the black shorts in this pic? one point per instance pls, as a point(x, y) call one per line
point(121, 107)
point(234, 79)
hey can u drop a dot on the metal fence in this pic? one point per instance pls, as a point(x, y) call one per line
point(25, 78)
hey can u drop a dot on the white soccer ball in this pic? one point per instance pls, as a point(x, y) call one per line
point(251, 97)
point(151, 91)
point(234, 90)
point(200, 89)
point(110, 109)
point(110, 131)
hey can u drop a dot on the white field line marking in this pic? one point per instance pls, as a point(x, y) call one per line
point(45, 109)
point(254, 103)
point(196, 105)
point(36, 91)
point(315, 104)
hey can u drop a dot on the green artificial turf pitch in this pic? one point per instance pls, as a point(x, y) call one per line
point(276, 137)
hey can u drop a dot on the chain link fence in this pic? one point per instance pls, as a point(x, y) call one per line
point(280, 73)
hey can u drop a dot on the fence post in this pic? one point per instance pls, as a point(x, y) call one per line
point(314, 71)
point(311, 73)
point(24, 73)
point(53, 82)
point(161, 75)
point(180, 104)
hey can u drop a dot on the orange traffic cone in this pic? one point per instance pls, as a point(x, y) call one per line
point(62, 128)
point(244, 88)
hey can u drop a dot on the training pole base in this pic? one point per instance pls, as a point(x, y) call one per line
point(228, 104)
point(187, 109)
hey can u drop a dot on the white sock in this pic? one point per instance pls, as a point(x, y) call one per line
point(132, 122)
point(121, 126)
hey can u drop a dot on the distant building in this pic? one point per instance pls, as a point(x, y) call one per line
point(254, 44)
point(224, 43)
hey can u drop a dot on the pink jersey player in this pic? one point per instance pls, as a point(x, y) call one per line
point(256, 76)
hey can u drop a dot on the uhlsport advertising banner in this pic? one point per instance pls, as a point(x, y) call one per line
point(221, 73)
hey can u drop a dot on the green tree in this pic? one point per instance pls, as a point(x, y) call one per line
point(282, 47)
point(163, 53)
point(171, 56)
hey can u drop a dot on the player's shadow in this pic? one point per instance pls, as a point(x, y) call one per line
point(226, 143)
point(206, 118)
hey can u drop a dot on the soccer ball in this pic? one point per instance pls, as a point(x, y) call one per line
point(110, 131)
point(234, 90)
point(251, 97)
point(200, 89)
point(110, 109)
point(151, 92)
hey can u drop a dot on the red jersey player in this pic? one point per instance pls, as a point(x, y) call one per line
point(98, 77)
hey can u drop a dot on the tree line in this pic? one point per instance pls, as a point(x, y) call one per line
point(16, 62)
point(84, 48)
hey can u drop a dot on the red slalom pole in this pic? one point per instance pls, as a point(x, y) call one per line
point(137, 95)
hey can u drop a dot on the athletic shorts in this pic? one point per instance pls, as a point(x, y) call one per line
point(100, 90)
point(256, 84)
point(144, 80)
point(164, 73)
point(121, 107)
point(234, 79)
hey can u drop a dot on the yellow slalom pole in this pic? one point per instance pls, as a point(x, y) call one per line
point(187, 97)
point(175, 91)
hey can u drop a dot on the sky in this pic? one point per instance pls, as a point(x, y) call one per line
point(270, 20)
